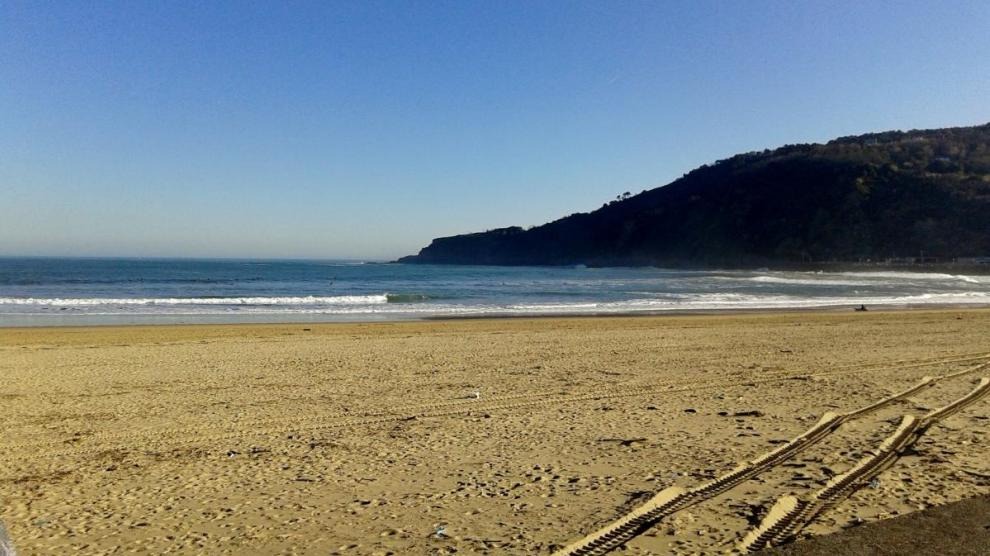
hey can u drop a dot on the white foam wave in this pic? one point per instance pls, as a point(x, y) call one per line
point(900, 275)
point(743, 301)
point(713, 301)
point(377, 306)
point(267, 301)
point(806, 281)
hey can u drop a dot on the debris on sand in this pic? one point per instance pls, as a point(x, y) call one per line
point(6, 546)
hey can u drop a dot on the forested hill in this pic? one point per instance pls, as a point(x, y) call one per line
point(876, 196)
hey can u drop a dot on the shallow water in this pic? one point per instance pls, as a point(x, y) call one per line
point(46, 291)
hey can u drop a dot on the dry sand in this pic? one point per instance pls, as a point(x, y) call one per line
point(516, 436)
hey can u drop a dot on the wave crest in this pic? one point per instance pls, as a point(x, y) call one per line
point(264, 301)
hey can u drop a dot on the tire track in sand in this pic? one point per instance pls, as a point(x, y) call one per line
point(674, 499)
point(191, 435)
point(790, 514)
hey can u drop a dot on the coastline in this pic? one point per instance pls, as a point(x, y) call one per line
point(294, 319)
point(717, 312)
point(363, 437)
point(60, 292)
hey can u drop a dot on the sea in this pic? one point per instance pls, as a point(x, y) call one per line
point(76, 291)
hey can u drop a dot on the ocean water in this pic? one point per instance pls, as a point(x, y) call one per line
point(41, 291)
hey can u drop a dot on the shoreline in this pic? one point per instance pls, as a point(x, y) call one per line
point(180, 320)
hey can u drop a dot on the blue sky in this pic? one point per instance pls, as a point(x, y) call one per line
point(364, 129)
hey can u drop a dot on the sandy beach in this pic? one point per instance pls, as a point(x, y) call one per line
point(512, 436)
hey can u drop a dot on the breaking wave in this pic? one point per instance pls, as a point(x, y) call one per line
point(56, 291)
point(714, 301)
point(914, 276)
point(262, 301)
point(806, 281)
point(865, 278)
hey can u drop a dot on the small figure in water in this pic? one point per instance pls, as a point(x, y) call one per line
point(861, 308)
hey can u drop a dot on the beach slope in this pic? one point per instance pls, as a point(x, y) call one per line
point(481, 436)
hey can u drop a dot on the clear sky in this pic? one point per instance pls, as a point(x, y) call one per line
point(363, 129)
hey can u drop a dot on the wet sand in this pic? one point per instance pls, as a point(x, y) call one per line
point(514, 436)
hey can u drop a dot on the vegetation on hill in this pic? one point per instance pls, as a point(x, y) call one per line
point(869, 197)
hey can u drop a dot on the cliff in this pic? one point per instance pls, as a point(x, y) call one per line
point(869, 197)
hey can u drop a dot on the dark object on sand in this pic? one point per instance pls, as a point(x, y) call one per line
point(861, 308)
point(957, 529)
